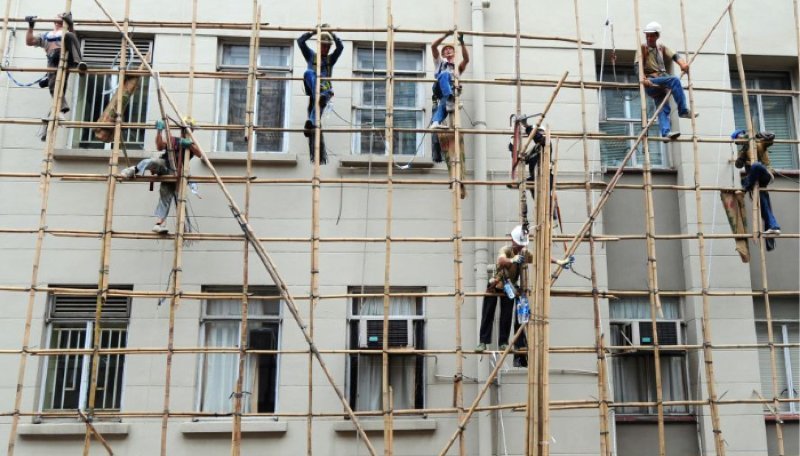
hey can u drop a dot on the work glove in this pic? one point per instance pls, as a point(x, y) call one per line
point(186, 142)
point(518, 259)
point(160, 126)
point(461, 38)
point(67, 17)
point(31, 20)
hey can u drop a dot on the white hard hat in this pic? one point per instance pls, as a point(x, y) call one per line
point(519, 236)
point(653, 27)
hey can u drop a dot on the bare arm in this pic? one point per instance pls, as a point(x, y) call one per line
point(435, 47)
point(464, 55)
point(160, 143)
point(681, 63)
point(30, 40)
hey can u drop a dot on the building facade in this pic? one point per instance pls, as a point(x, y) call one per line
point(129, 395)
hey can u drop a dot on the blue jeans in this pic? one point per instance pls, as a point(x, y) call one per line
point(310, 82)
point(657, 93)
point(760, 174)
point(443, 80)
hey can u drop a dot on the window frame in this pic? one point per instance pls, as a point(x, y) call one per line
point(256, 291)
point(359, 105)
point(780, 337)
point(632, 124)
point(756, 77)
point(419, 321)
point(664, 353)
point(114, 322)
point(220, 135)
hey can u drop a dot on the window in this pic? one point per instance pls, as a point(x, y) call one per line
point(370, 100)
point(620, 114)
point(221, 327)
point(406, 330)
point(94, 91)
point(271, 97)
point(634, 371)
point(769, 112)
point(70, 325)
point(785, 330)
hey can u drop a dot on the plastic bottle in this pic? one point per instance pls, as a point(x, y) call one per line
point(508, 287)
point(523, 310)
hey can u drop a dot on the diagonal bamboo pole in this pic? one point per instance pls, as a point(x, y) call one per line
point(606, 446)
point(757, 229)
point(95, 432)
point(238, 392)
point(711, 387)
point(259, 250)
point(44, 184)
point(105, 249)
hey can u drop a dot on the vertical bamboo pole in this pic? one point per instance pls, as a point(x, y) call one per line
point(602, 362)
point(236, 434)
point(315, 230)
point(545, 226)
point(105, 249)
point(458, 190)
point(192, 60)
point(711, 387)
point(44, 185)
point(757, 231)
point(386, 397)
point(4, 39)
point(652, 267)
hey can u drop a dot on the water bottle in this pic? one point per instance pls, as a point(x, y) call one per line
point(508, 287)
point(523, 310)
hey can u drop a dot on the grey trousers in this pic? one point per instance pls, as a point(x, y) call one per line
point(166, 190)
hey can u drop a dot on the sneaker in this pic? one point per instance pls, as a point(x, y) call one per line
point(688, 115)
point(773, 231)
point(160, 228)
point(480, 348)
point(672, 135)
point(82, 67)
point(438, 125)
point(128, 173)
point(308, 129)
point(562, 262)
point(503, 347)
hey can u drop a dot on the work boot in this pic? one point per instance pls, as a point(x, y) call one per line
point(688, 114)
point(64, 105)
point(43, 83)
point(308, 129)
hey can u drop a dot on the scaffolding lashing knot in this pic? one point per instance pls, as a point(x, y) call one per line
point(704, 291)
point(458, 378)
point(595, 292)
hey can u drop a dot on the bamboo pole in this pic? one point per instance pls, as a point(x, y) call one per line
point(4, 39)
point(192, 60)
point(105, 247)
point(44, 185)
point(606, 443)
point(757, 229)
point(260, 251)
point(95, 432)
point(708, 356)
point(387, 405)
point(650, 228)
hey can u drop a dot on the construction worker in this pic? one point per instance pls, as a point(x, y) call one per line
point(310, 81)
point(532, 155)
point(162, 165)
point(52, 42)
point(658, 78)
point(760, 172)
point(445, 74)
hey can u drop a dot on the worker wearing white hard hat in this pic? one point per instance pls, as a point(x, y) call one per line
point(658, 77)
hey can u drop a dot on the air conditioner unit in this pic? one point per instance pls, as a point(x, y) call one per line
point(641, 333)
point(370, 333)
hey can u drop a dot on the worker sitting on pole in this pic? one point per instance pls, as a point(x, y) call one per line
point(658, 78)
point(443, 88)
point(325, 85)
point(759, 172)
point(164, 165)
point(52, 42)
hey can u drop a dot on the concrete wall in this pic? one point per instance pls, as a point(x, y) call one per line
point(353, 210)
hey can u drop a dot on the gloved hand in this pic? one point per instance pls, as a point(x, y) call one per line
point(67, 17)
point(518, 259)
point(160, 126)
point(31, 20)
point(461, 38)
point(186, 142)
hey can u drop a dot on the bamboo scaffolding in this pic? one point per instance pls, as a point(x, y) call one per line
point(262, 254)
point(44, 184)
point(95, 432)
point(708, 357)
point(756, 224)
point(105, 248)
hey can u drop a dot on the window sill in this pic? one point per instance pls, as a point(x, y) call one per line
point(638, 170)
point(71, 429)
point(382, 161)
point(654, 419)
point(260, 158)
point(786, 416)
point(398, 425)
point(226, 427)
point(97, 154)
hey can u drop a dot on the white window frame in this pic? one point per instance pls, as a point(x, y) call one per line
point(633, 124)
point(664, 352)
point(358, 102)
point(205, 318)
point(145, 45)
point(222, 97)
point(116, 324)
point(418, 320)
point(782, 356)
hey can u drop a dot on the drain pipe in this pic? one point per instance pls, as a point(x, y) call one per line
point(481, 207)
